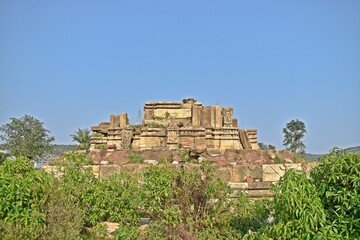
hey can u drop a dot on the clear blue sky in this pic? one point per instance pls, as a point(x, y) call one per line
point(73, 63)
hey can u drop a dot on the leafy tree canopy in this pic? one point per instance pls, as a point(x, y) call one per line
point(294, 133)
point(26, 136)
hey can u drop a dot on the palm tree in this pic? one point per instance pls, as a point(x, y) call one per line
point(82, 136)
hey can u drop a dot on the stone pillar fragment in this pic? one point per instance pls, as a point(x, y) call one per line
point(196, 116)
point(206, 116)
point(218, 116)
point(114, 121)
point(235, 123)
point(124, 121)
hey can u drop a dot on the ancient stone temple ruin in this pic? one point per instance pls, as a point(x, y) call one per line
point(175, 125)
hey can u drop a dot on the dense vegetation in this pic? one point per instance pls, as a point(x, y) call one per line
point(181, 204)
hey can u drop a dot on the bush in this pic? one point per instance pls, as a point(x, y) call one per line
point(337, 179)
point(34, 206)
point(327, 206)
point(187, 204)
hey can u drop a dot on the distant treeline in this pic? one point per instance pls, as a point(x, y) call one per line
point(315, 157)
point(61, 148)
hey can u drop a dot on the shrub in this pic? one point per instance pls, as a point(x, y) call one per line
point(323, 207)
point(337, 179)
point(135, 158)
point(34, 206)
point(187, 204)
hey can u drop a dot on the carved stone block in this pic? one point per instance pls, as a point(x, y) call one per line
point(148, 114)
point(227, 113)
point(172, 136)
point(172, 113)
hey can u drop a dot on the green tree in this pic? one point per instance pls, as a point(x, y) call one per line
point(26, 137)
point(293, 136)
point(82, 136)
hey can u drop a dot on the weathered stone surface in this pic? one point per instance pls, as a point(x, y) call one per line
point(206, 117)
point(151, 162)
point(260, 193)
point(111, 227)
point(148, 114)
point(273, 172)
point(151, 142)
point(126, 138)
point(259, 185)
point(237, 185)
point(114, 121)
point(217, 115)
point(253, 171)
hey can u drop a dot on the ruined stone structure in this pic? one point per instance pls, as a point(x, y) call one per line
point(175, 125)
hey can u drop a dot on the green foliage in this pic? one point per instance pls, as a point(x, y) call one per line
point(82, 185)
point(70, 159)
point(337, 179)
point(167, 115)
point(21, 191)
point(299, 158)
point(165, 160)
point(123, 199)
point(3, 157)
point(109, 200)
point(64, 218)
point(26, 137)
point(325, 206)
point(97, 134)
point(127, 233)
point(298, 210)
point(294, 132)
point(187, 204)
point(135, 158)
point(82, 136)
point(101, 147)
point(77, 160)
point(277, 159)
point(34, 206)
point(249, 215)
